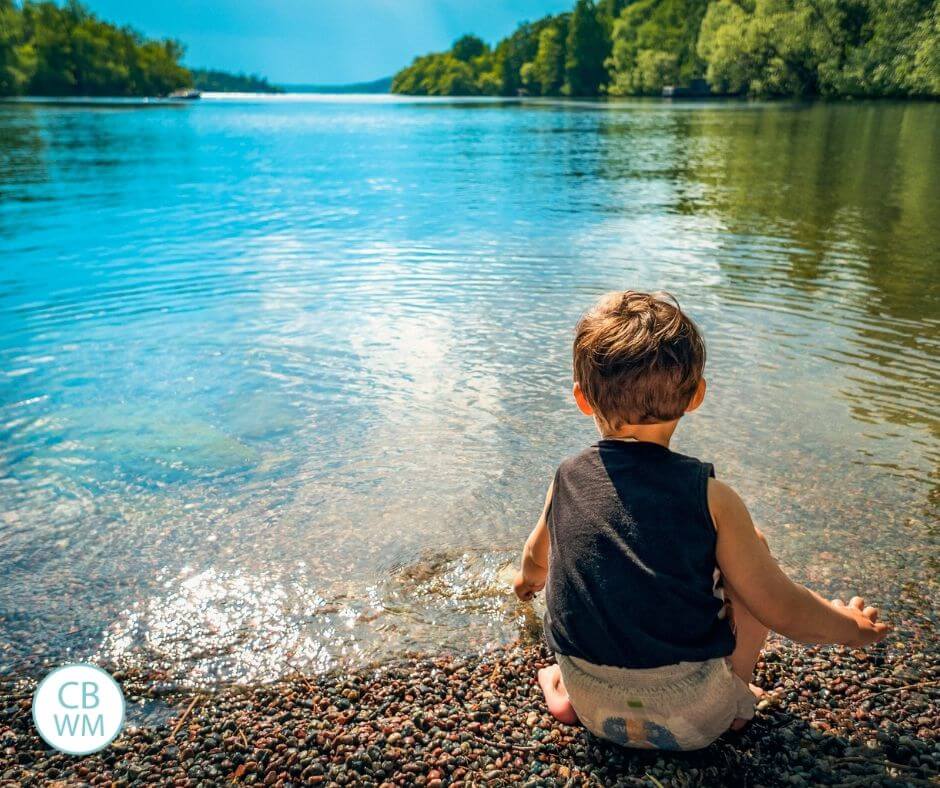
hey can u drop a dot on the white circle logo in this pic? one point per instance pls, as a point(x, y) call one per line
point(78, 709)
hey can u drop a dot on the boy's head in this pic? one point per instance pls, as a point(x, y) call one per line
point(638, 359)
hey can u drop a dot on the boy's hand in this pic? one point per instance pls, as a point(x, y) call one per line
point(525, 589)
point(870, 630)
point(531, 577)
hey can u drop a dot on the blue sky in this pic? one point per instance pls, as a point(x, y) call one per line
point(320, 41)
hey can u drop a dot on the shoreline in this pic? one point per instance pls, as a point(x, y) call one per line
point(832, 716)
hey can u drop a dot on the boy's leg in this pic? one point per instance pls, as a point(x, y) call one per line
point(750, 636)
point(556, 696)
point(749, 633)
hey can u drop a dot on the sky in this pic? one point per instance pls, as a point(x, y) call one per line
point(320, 41)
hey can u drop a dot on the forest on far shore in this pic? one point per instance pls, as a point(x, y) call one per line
point(48, 49)
point(861, 48)
point(213, 80)
point(52, 50)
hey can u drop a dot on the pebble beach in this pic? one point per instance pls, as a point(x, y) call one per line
point(830, 716)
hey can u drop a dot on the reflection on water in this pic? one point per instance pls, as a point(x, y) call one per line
point(250, 628)
point(282, 383)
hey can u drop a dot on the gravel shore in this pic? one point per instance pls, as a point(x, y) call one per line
point(831, 716)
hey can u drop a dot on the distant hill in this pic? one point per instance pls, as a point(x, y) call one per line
point(215, 81)
point(383, 85)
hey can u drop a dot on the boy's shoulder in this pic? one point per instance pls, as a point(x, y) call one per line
point(688, 459)
point(578, 459)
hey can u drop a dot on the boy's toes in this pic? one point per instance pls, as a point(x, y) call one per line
point(564, 713)
point(549, 675)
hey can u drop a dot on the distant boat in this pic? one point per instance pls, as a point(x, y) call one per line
point(185, 94)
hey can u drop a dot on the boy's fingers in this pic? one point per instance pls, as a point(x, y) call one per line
point(871, 612)
point(838, 603)
point(857, 602)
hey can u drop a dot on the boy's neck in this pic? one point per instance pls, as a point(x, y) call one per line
point(645, 433)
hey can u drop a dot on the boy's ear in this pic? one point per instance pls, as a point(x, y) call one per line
point(697, 397)
point(583, 405)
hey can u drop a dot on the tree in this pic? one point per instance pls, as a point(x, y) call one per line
point(468, 47)
point(777, 49)
point(439, 74)
point(52, 50)
point(608, 11)
point(825, 47)
point(224, 82)
point(753, 47)
point(654, 70)
point(17, 56)
point(586, 50)
point(896, 51)
point(156, 68)
point(924, 78)
point(545, 75)
point(514, 52)
point(654, 44)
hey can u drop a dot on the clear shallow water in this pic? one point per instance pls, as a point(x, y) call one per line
point(282, 382)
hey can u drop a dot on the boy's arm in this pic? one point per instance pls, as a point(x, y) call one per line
point(531, 577)
point(775, 600)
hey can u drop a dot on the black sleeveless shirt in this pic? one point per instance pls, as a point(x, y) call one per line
point(632, 578)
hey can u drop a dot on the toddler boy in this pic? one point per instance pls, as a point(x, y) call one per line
point(659, 589)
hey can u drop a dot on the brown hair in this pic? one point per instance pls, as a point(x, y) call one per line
point(638, 358)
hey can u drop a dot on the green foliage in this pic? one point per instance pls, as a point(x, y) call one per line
point(654, 45)
point(439, 74)
point(223, 82)
point(48, 50)
point(822, 47)
point(896, 51)
point(777, 48)
point(586, 51)
point(469, 68)
point(654, 70)
point(17, 56)
point(466, 48)
point(545, 73)
point(608, 11)
point(514, 52)
point(924, 77)
point(751, 47)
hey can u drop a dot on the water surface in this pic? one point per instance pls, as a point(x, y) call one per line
point(283, 381)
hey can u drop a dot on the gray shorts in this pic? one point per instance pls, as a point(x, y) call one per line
point(677, 707)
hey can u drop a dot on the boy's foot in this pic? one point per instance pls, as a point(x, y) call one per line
point(556, 697)
point(739, 723)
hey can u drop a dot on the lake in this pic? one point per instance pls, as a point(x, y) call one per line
point(283, 380)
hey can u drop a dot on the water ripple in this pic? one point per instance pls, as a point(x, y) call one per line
point(282, 381)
